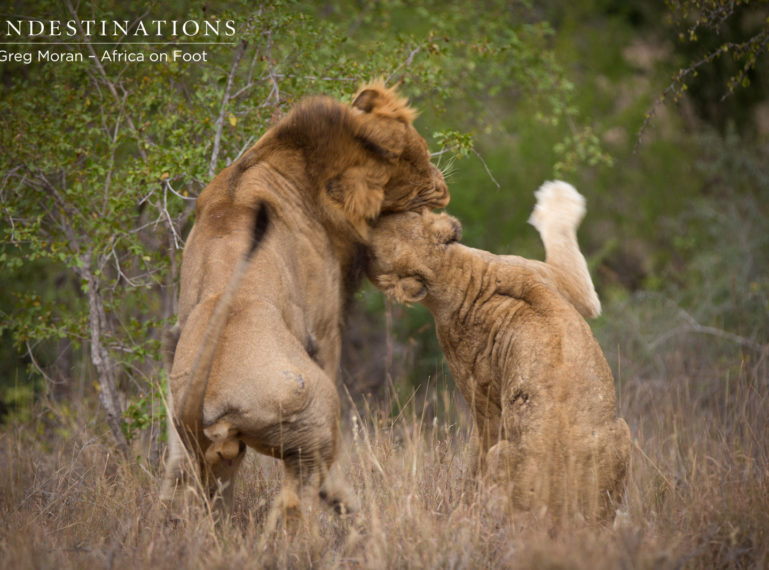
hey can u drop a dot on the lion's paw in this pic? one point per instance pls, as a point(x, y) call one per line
point(339, 496)
point(559, 206)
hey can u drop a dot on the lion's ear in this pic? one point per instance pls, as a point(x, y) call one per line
point(365, 100)
point(382, 137)
point(376, 99)
point(383, 118)
point(403, 289)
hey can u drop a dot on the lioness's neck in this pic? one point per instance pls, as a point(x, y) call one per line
point(454, 273)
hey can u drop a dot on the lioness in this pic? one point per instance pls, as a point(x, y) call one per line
point(541, 392)
point(274, 254)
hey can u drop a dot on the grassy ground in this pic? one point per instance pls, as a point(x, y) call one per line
point(697, 497)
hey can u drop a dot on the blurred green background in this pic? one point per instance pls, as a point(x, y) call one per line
point(626, 100)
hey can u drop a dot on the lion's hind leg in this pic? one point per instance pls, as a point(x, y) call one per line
point(223, 457)
point(297, 502)
point(174, 465)
point(180, 469)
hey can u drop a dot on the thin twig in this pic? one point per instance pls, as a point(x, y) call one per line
point(275, 91)
point(120, 273)
point(486, 167)
point(171, 188)
point(178, 242)
point(111, 168)
point(761, 38)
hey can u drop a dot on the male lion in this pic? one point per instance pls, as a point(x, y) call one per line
point(541, 392)
point(274, 254)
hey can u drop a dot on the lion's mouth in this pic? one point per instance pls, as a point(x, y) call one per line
point(436, 196)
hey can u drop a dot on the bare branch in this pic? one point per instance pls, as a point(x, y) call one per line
point(219, 125)
point(108, 178)
point(120, 273)
point(37, 366)
point(692, 326)
point(405, 65)
point(100, 357)
point(677, 86)
point(178, 242)
point(167, 185)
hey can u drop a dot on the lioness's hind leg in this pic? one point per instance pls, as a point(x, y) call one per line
point(170, 339)
point(168, 343)
point(223, 457)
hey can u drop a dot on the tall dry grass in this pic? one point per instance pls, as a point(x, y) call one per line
point(697, 496)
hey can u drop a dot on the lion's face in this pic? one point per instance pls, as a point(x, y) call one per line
point(407, 248)
point(385, 128)
point(415, 182)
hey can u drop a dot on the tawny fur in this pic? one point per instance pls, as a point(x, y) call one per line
point(257, 355)
point(525, 360)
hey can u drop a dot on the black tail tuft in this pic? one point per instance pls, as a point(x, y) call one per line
point(261, 225)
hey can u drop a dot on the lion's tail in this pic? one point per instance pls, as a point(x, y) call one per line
point(190, 411)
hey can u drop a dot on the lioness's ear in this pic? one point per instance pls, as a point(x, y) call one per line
point(403, 289)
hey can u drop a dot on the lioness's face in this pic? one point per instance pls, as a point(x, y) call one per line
point(406, 249)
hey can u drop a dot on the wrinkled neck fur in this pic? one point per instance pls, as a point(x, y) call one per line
point(451, 277)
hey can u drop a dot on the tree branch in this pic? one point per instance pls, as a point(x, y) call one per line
point(691, 325)
point(108, 394)
point(103, 73)
point(407, 63)
point(219, 125)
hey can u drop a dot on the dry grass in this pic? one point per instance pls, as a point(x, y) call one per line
point(698, 494)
